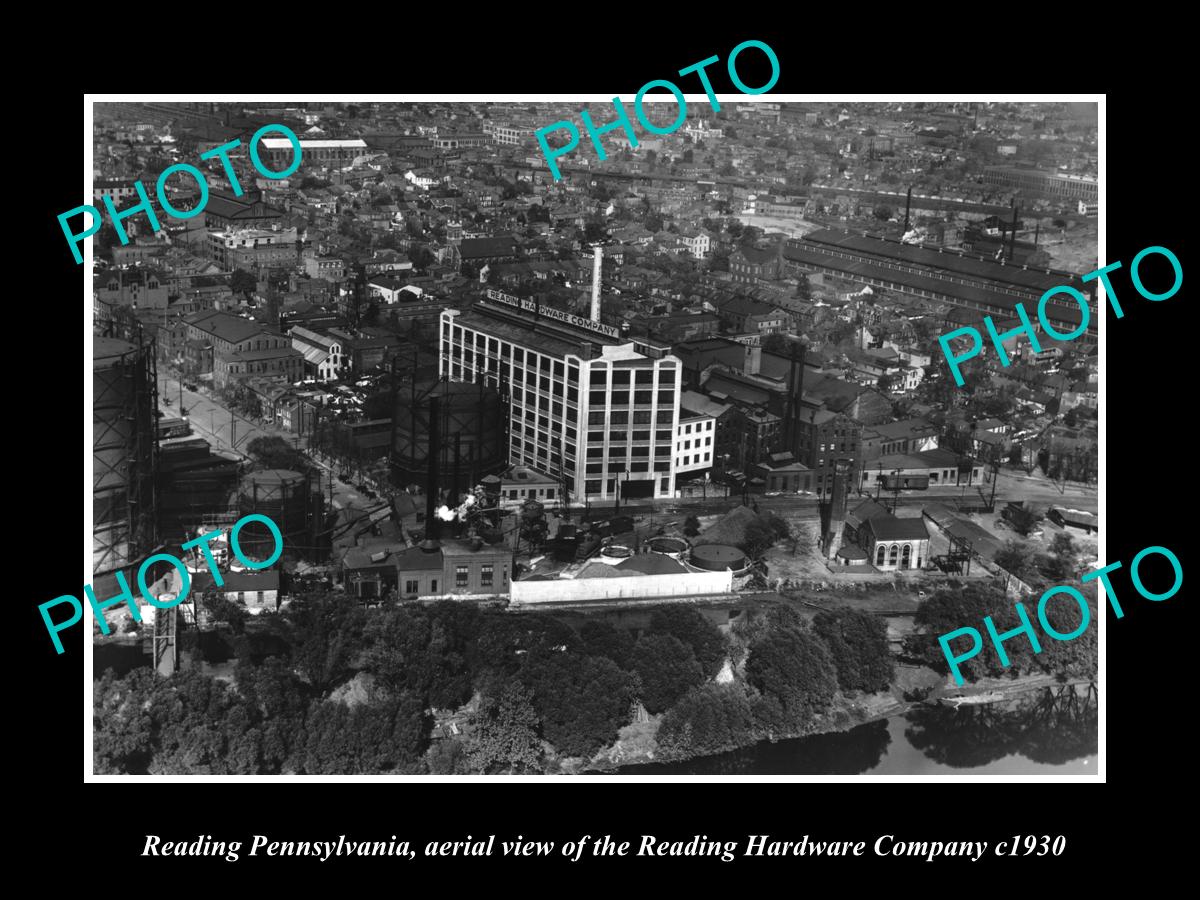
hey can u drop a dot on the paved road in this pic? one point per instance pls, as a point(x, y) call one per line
point(231, 431)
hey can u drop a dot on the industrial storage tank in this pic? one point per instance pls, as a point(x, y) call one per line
point(283, 496)
point(471, 438)
point(123, 453)
point(676, 548)
point(718, 558)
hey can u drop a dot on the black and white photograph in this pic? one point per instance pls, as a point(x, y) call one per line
point(686, 435)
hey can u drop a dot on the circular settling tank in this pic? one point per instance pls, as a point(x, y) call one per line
point(718, 557)
point(676, 548)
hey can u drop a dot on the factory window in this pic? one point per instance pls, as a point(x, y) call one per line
point(549, 493)
point(596, 398)
point(644, 398)
point(618, 437)
point(544, 383)
point(595, 452)
point(591, 487)
point(662, 435)
point(461, 576)
point(666, 398)
point(596, 418)
point(665, 416)
point(640, 467)
point(644, 377)
point(599, 377)
point(594, 468)
point(572, 416)
point(641, 451)
point(708, 442)
point(642, 418)
point(572, 434)
point(486, 574)
point(573, 395)
point(595, 436)
point(620, 418)
point(556, 410)
point(641, 435)
point(687, 445)
point(620, 376)
point(620, 398)
point(664, 484)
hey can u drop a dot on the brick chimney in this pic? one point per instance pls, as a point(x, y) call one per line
point(752, 364)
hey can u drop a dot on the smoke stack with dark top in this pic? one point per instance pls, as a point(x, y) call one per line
point(907, 208)
point(597, 265)
point(432, 529)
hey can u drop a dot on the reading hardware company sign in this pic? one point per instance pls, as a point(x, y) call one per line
point(551, 313)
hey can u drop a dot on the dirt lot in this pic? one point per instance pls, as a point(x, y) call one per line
point(1075, 250)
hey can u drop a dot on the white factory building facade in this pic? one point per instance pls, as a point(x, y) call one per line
point(591, 409)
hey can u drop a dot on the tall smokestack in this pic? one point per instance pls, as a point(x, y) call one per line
point(597, 260)
point(1012, 240)
point(837, 508)
point(907, 209)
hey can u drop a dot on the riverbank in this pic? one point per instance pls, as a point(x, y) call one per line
point(636, 743)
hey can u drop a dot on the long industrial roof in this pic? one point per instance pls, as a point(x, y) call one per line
point(955, 292)
point(1031, 279)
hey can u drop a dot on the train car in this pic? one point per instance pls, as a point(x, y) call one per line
point(173, 427)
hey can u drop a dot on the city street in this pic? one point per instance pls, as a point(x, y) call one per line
point(227, 430)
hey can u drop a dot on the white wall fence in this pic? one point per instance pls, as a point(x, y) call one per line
point(633, 587)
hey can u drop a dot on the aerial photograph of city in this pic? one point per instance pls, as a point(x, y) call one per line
point(462, 438)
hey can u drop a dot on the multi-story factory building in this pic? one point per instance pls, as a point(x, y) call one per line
point(592, 409)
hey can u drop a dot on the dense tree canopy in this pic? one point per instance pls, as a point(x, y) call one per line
point(693, 629)
point(708, 719)
point(666, 669)
point(858, 643)
point(505, 738)
point(582, 700)
point(795, 669)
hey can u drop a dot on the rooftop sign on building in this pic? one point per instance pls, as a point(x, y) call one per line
point(550, 312)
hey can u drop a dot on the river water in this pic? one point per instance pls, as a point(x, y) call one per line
point(1047, 732)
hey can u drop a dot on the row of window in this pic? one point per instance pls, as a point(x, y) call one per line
point(620, 437)
point(687, 460)
point(700, 427)
point(519, 493)
point(644, 377)
point(593, 486)
point(687, 445)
